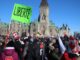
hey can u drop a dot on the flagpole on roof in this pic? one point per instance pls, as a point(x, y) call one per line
point(62, 47)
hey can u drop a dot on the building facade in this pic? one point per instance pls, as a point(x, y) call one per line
point(3, 28)
point(18, 27)
point(42, 25)
point(64, 30)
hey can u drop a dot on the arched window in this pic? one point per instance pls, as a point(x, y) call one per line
point(44, 17)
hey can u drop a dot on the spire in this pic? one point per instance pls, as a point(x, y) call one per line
point(44, 3)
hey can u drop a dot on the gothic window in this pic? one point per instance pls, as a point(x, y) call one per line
point(34, 30)
point(44, 29)
point(44, 17)
point(44, 32)
point(51, 30)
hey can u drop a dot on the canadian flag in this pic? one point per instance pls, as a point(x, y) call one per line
point(65, 55)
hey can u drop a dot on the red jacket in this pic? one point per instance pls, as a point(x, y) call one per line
point(66, 57)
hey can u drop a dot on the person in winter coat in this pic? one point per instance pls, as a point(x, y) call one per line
point(42, 49)
point(73, 46)
point(66, 42)
point(37, 48)
point(1, 47)
point(47, 41)
point(9, 54)
point(19, 48)
point(54, 49)
point(64, 54)
point(19, 45)
point(29, 49)
point(26, 42)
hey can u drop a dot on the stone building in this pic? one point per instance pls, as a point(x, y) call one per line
point(64, 30)
point(43, 24)
point(18, 27)
point(3, 28)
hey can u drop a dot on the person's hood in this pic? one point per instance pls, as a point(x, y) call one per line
point(9, 51)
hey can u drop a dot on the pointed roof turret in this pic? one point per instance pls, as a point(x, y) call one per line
point(44, 3)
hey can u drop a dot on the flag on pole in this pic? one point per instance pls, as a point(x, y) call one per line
point(62, 47)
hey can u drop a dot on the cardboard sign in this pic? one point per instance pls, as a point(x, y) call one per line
point(21, 13)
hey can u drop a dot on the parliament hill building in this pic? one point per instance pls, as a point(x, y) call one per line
point(42, 25)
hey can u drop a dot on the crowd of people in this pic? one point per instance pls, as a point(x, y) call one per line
point(39, 48)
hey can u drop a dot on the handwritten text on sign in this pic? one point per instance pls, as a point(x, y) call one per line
point(21, 13)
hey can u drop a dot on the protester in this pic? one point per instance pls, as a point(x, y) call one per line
point(46, 42)
point(73, 46)
point(64, 53)
point(54, 49)
point(9, 52)
point(1, 46)
point(38, 47)
point(25, 52)
point(30, 49)
point(19, 45)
